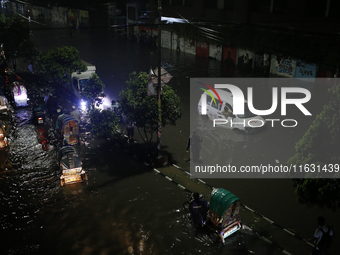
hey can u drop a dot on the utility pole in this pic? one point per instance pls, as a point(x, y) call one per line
point(159, 87)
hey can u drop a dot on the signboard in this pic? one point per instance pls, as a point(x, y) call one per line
point(283, 66)
point(230, 55)
point(153, 80)
point(166, 39)
point(305, 70)
point(202, 49)
point(245, 58)
point(215, 51)
point(177, 43)
point(190, 46)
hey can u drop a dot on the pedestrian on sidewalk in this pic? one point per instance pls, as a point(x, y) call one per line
point(130, 128)
point(30, 68)
point(52, 105)
point(322, 238)
point(194, 143)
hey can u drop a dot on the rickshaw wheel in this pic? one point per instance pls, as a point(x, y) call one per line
point(186, 206)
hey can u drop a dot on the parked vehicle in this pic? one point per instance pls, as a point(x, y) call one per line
point(70, 165)
point(215, 111)
point(68, 128)
point(224, 213)
point(3, 139)
point(79, 79)
point(19, 93)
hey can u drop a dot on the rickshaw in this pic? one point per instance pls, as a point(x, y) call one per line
point(69, 128)
point(224, 213)
point(4, 110)
point(3, 139)
point(19, 93)
point(70, 165)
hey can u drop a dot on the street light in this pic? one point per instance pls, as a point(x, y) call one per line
point(159, 87)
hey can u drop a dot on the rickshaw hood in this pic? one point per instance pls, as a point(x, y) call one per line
point(221, 200)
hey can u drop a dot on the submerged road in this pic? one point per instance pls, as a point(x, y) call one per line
point(114, 184)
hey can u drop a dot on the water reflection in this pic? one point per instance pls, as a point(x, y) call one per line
point(27, 187)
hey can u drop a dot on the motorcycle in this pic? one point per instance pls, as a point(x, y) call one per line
point(38, 115)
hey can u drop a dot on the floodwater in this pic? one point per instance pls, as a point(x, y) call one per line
point(126, 208)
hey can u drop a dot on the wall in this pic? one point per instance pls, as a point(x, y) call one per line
point(55, 16)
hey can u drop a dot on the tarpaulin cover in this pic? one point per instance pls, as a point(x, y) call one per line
point(67, 150)
point(221, 200)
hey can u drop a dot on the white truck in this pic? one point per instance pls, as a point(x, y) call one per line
point(79, 79)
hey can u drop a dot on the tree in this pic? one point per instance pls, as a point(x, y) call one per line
point(59, 63)
point(92, 90)
point(104, 123)
point(320, 146)
point(143, 109)
point(16, 37)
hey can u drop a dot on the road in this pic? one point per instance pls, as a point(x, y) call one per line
point(115, 57)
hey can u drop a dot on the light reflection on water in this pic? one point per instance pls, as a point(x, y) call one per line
point(26, 188)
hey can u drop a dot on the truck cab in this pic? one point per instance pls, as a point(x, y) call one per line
point(79, 79)
point(223, 113)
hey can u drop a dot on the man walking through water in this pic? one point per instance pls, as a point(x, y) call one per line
point(195, 144)
point(75, 113)
point(199, 210)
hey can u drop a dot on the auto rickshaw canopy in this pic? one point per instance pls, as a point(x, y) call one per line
point(66, 119)
point(69, 158)
point(221, 200)
point(3, 101)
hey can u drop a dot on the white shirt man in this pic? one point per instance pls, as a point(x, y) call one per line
point(75, 114)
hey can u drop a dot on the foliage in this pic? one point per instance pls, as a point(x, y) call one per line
point(92, 90)
point(59, 63)
point(104, 123)
point(16, 37)
point(319, 146)
point(143, 109)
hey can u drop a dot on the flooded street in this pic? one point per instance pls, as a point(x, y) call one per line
point(126, 208)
